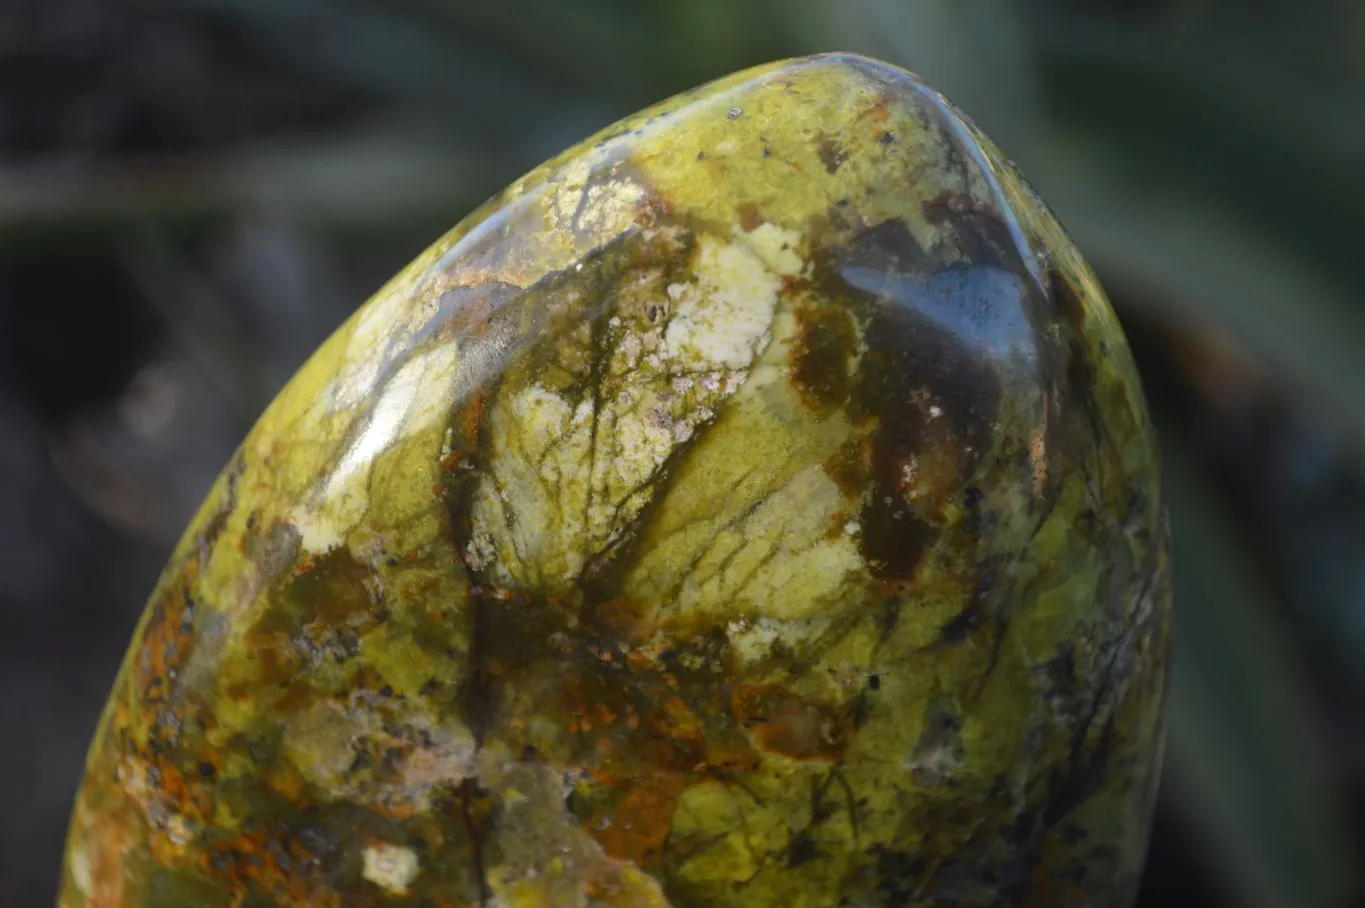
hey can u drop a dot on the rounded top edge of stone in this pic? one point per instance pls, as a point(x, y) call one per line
point(836, 71)
point(842, 69)
point(846, 63)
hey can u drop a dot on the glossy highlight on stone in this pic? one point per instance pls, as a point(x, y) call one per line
point(755, 505)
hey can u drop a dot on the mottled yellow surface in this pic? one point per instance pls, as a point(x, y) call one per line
point(754, 505)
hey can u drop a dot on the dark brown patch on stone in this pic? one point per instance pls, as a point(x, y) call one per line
point(1065, 301)
point(977, 231)
point(888, 246)
point(908, 360)
point(832, 154)
point(928, 381)
point(791, 725)
point(749, 216)
point(510, 635)
point(821, 356)
point(642, 820)
point(331, 590)
point(1074, 398)
point(631, 709)
point(894, 539)
point(317, 612)
point(849, 466)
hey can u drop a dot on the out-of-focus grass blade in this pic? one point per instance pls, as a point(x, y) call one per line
point(370, 176)
point(404, 60)
point(587, 42)
point(1246, 759)
point(1188, 258)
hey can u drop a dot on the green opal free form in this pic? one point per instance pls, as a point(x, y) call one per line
point(756, 505)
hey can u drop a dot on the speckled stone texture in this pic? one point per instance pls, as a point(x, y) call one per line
point(754, 506)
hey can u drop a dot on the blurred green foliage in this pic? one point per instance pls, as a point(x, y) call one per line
point(1206, 154)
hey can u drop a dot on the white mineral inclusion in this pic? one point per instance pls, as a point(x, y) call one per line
point(720, 321)
point(567, 478)
point(391, 867)
point(411, 401)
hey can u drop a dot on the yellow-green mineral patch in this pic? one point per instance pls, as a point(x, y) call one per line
point(753, 506)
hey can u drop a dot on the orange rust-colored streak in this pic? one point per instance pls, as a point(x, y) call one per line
point(1037, 452)
point(143, 742)
point(792, 725)
point(878, 111)
point(109, 838)
point(470, 417)
point(639, 826)
point(166, 646)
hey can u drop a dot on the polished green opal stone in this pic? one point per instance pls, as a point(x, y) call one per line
point(756, 505)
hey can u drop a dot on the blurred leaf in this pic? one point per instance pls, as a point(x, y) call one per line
point(409, 61)
point(1189, 259)
point(975, 51)
point(1246, 759)
point(198, 317)
point(374, 176)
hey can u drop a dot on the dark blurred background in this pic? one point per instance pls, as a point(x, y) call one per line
point(194, 193)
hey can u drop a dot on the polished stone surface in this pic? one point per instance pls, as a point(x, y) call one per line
point(755, 505)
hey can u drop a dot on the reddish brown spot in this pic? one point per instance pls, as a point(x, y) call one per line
point(470, 417)
point(337, 589)
point(832, 154)
point(297, 697)
point(110, 840)
point(620, 619)
point(455, 460)
point(274, 658)
point(641, 822)
point(879, 111)
point(651, 208)
point(791, 725)
point(284, 778)
point(749, 216)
